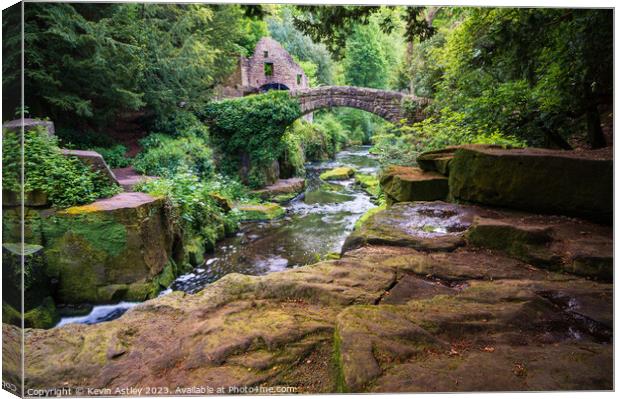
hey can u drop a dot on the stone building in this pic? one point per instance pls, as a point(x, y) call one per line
point(270, 67)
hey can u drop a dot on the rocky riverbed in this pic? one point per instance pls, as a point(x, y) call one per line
point(392, 315)
point(426, 296)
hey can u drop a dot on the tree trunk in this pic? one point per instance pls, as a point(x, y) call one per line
point(595, 131)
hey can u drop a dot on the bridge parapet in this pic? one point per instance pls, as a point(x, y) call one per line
point(390, 105)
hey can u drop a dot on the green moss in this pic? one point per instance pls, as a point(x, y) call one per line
point(112, 293)
point(139, 292)
point(102, 232)
point(369, 183)
point(367, 215)
point(341, 386)
point(43, 316)
point(342, 173)
point(256, 212)
point(166, 277)
point(10, 315)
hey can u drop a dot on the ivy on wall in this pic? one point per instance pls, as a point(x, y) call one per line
point(247, 132)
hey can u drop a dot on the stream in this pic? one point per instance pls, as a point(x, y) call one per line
point(316, 224)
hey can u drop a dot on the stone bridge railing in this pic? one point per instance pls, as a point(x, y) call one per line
point(390, 105)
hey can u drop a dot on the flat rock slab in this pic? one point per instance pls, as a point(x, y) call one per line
point(259, 212)
point(403, 184)
point(341, 173)
point(555, 242)
point(128, 177)
point(536, 180)
point(282, 190)
point(94, 159)
point(119, 201)
point(429, 225)
point(28, 124)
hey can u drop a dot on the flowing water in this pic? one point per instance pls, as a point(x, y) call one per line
point(316, 224)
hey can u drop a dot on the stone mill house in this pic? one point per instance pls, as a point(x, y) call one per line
point(271, 67)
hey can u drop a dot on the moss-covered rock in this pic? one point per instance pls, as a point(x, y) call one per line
point(403, 184)
point(368, 183)
point(12, 226)
point(257, 212)
point(536, 180)
point(36, 284)
point(341, 173)
point(283, 190)
point(431, 226)
point(43, 316)
point(96, 250)
point(224, 203)
point(326, 197)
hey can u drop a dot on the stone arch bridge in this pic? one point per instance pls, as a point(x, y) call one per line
point(390, 105)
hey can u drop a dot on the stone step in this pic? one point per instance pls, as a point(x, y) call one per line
point(402, 184)
point(128, 177)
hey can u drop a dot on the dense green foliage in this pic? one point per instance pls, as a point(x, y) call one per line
point(195, 202)
point(365, 64)
point(307, 142)
point(537, 74)
point(402, 144)
point(87, 64)
point(309, 54)
point(163, 155)
point(65, 180)
point(114, 156)
point(249, 130)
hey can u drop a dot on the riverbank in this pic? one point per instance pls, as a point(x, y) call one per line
point(426, 297)
point(383, 318)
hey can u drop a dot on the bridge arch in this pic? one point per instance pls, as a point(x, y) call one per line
point(390, 105)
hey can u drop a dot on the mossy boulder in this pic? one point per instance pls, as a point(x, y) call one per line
point(95, 251)
point(403, 184)
point(326, 197)
point(283, 190)
point(431, 226)
point(12, 226)
point(368, 183)
point(341, 173)
point(536, 180)
point(43, 316)
point(224, 203)
point(258, 212)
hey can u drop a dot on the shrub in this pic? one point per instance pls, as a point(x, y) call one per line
point(114, 156)
point(401, 144)
point(65, 180)
point(165, 156)
point(194, 202)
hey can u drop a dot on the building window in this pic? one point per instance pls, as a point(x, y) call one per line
point(298, 78)
point(265, 53)
point(268, 69)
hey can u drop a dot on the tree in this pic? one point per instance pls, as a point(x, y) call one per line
point(333, 25)
point(301, 46)
point(86, 64)
point(365, 62)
